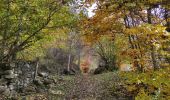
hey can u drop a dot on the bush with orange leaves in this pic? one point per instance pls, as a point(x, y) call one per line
point(85, 66)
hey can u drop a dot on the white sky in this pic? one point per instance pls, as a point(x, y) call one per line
point(90, 10)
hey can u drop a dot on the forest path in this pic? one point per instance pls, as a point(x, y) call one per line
point(84, 88)
point(106, 86)
point(95, 87)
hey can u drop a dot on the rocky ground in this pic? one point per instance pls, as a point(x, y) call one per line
point(106, 86)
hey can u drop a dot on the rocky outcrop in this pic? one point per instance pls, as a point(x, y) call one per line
point(3, 89)
point(101, 68)
point(56, 62)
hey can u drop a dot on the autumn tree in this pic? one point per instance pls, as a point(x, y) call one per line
point(128, 18)
point(23, 23)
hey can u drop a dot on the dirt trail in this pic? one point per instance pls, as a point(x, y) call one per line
point(97, 87)
point(84, 88)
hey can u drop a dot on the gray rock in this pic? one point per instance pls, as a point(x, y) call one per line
point(11, 87)
point(12, 65)
point(58, 92)
point(2, 89)
point(7, 72)
point(99, 70)
point(38, 82)
point(9, 76)
point(3, 82)
point(16, 75)
point(43, 74)
point(30, 89)
point(1, 73)
point(47, 81)
point(7, 92)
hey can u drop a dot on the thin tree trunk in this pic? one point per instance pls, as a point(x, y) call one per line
point(79, 57)
point(69, 61)
point(167, 15)
point(167, 47)
point(133, 46)
point(154, 59)
point(36, 70)
point(153, 49)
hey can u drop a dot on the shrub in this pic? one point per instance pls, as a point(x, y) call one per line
point(154, 84)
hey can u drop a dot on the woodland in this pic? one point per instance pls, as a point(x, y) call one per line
point(84, 50)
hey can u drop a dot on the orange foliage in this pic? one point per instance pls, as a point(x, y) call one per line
point(84, 66)
point(126, 67)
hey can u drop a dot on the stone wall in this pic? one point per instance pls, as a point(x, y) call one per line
point(15, 75)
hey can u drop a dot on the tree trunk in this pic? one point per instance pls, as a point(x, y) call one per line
point(133, 46)
point(79, 57)
point(167, 15)
point(154, 59)
point(36, 70)
point(69, 61)
point(166, 45)
point(153, 49)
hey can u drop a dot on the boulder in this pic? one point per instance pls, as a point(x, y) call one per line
point(11, 87)
point(12, 65)
point(40, 90)
point(48, 81)
point(7, 92)
point(66, 72)
point(58, 92)
point(29, 89)
point(42, 74)
point(56, 62)
point(7, 72)
point(99, 70)
point(37, 82)
point(11, 76)
point(2, 89)
point(3, 82)
point(1, 73)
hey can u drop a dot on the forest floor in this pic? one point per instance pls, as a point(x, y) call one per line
point(106, 86)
